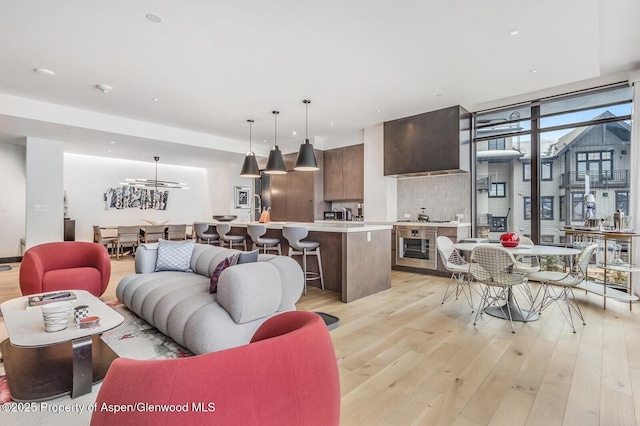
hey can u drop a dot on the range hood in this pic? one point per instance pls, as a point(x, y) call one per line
point(433, 143)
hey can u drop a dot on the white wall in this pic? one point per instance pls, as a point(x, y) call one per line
point(380, 192)
point(13, 181)
point(45, 194)
point(87, 178)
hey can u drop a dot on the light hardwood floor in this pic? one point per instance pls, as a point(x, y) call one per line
point(405, 358)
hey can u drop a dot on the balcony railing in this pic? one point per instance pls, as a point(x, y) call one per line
point(483, 183)
point(601, 179)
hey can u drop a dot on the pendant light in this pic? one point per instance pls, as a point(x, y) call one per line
point(250, 165)
point(306, 160)
point(275, 163)
point(154, 183)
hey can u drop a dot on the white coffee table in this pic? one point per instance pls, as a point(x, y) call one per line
point(41, 365)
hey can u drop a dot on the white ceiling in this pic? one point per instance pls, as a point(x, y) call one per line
point(214, 64)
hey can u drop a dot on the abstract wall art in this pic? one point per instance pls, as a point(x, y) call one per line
point(131, 197)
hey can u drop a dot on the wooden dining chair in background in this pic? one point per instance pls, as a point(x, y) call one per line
point(105, 241)
point(152, 233)
point(177, 232)
point(128, 236)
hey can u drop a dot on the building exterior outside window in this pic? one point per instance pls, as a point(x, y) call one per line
point(581, 144)
point(498, 190)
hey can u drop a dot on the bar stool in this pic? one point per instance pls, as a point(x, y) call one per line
point(256, 231)
point(294, 235)
point(204, 236)
point(222, 229)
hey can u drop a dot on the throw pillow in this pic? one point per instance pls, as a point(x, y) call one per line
point(229, 261)
point(248, 257)
point(174, 255)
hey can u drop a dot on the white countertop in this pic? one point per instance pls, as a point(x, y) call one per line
point(328, 226)
point(352, 226)
point(452, 224)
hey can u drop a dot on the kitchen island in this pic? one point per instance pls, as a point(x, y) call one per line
point(356, 256)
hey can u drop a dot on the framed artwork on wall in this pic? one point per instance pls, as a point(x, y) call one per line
point(242, 197)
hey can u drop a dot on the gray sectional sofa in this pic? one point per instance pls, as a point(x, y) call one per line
point(180, 306)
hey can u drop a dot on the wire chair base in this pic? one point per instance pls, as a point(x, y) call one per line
point(462, 282)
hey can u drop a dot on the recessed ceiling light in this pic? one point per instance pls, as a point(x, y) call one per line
point(112, 142)
point(379, 111)
point(153, 18)
point(513, 32)
point(533, 71)
point(108, 150)
point(155, 99)
point(294, 133)
point(44, 71)
point(331, 123)
point(105, 88)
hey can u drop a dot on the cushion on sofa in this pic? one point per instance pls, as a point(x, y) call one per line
point(248, 257)
point(174, 255)
point(250, 291)
point(215, 275)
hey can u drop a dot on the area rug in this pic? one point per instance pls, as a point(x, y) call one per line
point(134, 338)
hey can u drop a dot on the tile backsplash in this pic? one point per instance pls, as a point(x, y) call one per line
point(442, 196)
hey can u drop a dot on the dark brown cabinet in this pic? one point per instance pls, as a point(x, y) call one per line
point(333, 174)
point(300, 196)
point(431, 143)
point(278, 198)
point(69, 230)
point(297, 196)
point(344, 173)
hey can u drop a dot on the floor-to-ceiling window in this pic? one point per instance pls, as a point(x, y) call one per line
point(537, 161)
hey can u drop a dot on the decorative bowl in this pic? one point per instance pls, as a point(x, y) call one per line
point(225, 217)
point(509, 239)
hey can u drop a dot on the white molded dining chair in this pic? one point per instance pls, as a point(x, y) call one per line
point(459, 269)
point(527, 264)
point(566, 282)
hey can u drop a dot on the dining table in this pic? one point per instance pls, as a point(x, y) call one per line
point(520, 315)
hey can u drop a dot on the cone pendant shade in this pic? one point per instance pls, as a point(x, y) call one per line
point(275, 163)
point(250, 165)
point(306, 160)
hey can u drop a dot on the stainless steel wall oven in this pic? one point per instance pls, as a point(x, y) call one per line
point(416, 247)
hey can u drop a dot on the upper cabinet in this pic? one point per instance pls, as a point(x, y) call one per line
point(297, 196)
point(344, 173)
point(435, 142)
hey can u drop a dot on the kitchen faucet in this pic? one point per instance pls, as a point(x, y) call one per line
point(253, 206)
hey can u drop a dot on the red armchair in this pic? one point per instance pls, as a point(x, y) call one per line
point(287, 375)
point(65, 266)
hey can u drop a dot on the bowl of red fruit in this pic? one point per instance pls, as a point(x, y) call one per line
point(509, 239)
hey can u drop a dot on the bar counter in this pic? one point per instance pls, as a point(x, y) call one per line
point(356, 256)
